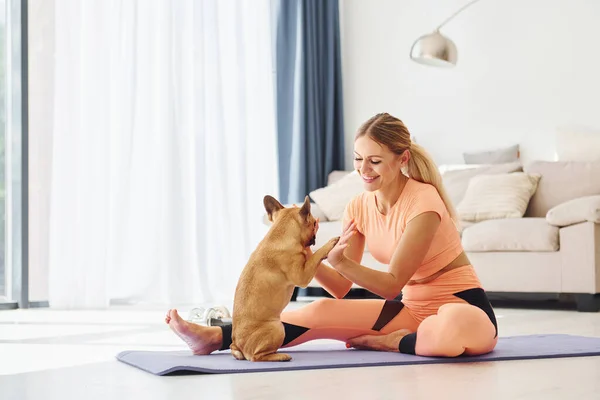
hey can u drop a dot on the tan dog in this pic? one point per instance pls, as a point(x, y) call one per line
point(267, 282)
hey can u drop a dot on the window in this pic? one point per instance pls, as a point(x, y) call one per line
point(13, 154)
point(4, 276)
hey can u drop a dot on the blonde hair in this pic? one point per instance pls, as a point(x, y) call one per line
point(391, 132)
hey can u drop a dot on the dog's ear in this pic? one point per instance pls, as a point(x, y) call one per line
point(305, 210)
point(272, 206)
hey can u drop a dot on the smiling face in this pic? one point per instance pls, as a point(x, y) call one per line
point(381, 151)
point(377, 165)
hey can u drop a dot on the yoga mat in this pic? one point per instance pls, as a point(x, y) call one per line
point(337, 356)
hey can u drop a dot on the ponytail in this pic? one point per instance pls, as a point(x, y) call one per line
point(422, 168)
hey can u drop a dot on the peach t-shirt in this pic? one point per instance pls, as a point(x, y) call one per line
point(383, 232)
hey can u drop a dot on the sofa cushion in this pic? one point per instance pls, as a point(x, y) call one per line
point(495, 156)
point(560, 182)
point(332, 199)
point(444, 168)
point(462, 225)
point(327, 230)
point(575, 211)
point(513, 234)
point(456, 180)
point(497, 196)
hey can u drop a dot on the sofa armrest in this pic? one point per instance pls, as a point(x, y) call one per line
point(580, 258)
point(581, 209)
point(314, 210)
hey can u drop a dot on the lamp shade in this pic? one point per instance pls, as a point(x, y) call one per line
point(434, 49)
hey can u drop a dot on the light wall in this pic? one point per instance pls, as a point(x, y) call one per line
point(525, 69)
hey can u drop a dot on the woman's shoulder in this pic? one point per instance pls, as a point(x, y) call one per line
point(359, 204)
point(419, 189)
point(361, 200)
point(359, 208)
point(423, 197)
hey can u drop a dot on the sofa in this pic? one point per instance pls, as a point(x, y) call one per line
point(542, 236)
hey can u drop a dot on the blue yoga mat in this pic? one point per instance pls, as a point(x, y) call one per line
point(337, 356)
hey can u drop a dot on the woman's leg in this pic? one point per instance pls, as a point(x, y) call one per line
point(200, 339)
point(456, 329)
point(344, 319)
point(321, 319)
point(460, 326)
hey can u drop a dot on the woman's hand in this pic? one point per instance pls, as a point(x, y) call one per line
point(336, 256)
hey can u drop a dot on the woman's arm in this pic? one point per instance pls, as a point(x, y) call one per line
point(407, 258)
point(334, 282)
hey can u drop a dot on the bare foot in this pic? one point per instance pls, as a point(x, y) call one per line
point(389, 342)
point(201, 339)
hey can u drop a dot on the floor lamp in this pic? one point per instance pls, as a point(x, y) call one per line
point(436, 49)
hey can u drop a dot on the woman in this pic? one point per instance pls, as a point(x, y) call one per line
point(408, 222)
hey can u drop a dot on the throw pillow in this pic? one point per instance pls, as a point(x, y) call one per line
point(457, 181)
point(497, 196)
point(496, 156)
point(443, 168)
point(574, 211)
point(332, 199)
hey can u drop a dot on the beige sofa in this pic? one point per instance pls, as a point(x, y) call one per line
point(554, 248)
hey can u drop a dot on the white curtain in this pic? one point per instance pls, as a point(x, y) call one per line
point(164, 145)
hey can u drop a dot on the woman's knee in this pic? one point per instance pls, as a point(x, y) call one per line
point(440, 328)
point(323, 308)
point(315, 312)
point(439, 336)
point(322, 305)
point(466, 320)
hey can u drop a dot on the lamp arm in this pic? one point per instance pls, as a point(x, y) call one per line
point(456, 13)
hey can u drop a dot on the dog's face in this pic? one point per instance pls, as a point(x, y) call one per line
point(298, 221)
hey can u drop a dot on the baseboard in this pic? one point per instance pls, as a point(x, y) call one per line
point(8, 305)
point(13, 305)
point(542, 301)
point(354, 293)
point(536, 301)
point(39, 304)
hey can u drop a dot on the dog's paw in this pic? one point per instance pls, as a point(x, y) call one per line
point(331, 244)
point(272, 357)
